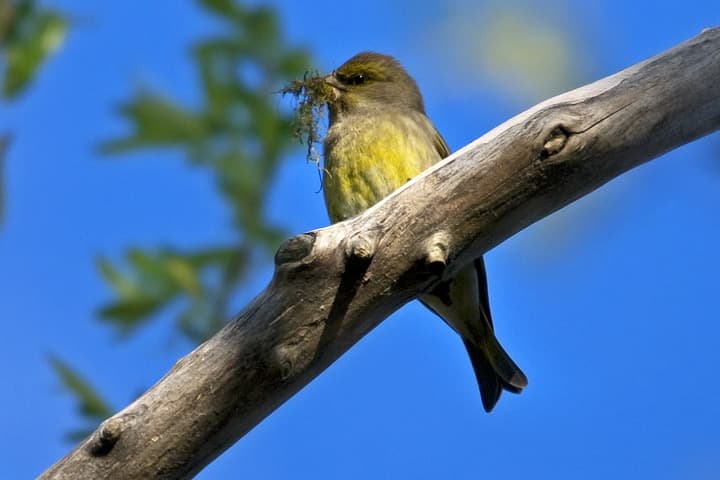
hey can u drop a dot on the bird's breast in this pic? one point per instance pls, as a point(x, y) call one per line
point(370, 156)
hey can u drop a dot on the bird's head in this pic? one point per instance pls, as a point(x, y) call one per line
point(369, 81)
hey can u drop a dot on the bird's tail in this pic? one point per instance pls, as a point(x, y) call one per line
point(495, 371)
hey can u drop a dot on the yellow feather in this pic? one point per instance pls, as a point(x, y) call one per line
point(372, 157)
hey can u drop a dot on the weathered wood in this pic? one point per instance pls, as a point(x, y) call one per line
point(333, 285)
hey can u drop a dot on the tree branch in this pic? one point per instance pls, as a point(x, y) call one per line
point(333, 285)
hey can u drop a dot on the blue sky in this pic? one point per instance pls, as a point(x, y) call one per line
point(610, 306)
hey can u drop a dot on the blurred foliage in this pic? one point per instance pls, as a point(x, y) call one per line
point(528, 51)
point(28, 34)
point(239, 135)
point(153, 279)
point(89, 405)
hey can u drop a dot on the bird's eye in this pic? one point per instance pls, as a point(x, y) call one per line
point(357, 79)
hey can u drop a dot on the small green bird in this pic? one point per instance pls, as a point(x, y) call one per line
point(377, 139)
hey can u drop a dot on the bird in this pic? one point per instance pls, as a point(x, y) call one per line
point(378, 137)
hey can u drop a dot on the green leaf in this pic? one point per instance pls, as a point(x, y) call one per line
point(157, 122)
point(35, 35)
point(164, 271)
point(89, 403)
point(182, 273)
point(154, 280)
point(145, 264)
point(215, 256)
point(123, 286)
point(127, 314)
point(225, 8)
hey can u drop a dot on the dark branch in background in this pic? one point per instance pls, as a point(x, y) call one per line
point(333, 285)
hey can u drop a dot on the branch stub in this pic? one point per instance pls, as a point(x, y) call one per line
point(361, 247)
point(105, 437)
point(295, 249)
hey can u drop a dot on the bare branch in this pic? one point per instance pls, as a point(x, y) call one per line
point(333, 285)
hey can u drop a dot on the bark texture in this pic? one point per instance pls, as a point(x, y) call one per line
point(333, 285)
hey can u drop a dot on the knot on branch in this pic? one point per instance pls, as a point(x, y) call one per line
point(295, 248)
point(295, 353)
point(361, 247)
point(283, 361)
point(436, 253)
point(106, 436)
point(555, 142)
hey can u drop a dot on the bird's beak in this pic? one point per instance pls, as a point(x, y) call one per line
point(333, 82)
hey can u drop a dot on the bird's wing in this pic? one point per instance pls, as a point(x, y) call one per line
point(444, 151)
point(430, 132)
point(483, 289)
point(440, 144)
